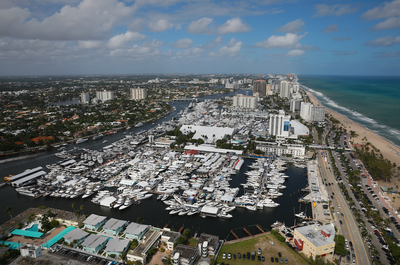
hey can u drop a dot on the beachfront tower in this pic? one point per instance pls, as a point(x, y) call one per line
point(279, 124)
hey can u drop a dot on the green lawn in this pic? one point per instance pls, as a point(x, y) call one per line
point(193, 242)
point(267, 249)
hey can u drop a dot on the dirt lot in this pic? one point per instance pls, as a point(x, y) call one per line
point(267, 250)
point(158, 256)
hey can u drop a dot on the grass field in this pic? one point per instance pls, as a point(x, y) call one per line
point(267, 249)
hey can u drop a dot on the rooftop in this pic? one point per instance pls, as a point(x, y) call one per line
point(318, 235)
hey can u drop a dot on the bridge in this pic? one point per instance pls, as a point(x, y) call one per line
point(317, 146)
point(186, 99)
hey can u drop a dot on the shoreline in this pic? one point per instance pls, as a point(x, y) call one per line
point(388, 149)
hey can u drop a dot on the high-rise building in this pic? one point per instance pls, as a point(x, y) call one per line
point(104, 95)
point(260, 87)
point(312, 113)
point(279, 124)
point(285, 89)
point(138, 93)
point(85, 98)
point(247, 102)
point(295, 105)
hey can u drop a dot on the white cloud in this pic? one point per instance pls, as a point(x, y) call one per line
point(232, 48)
point(214, 43)
point(183, 43)
point(334, 10)
point(136, 25)
point(390, 23)
point(289, 41)
point(90, 19)
point(292, 27)
point(331, 28)
point(191, 52)
point(234, 25)
point(160, 25)
point(89, 44)
point(383, 41)
point(389, 9)
point(120, 40)
point(386, 54)
point(295, 53)
point(335, 38)
point(153, 43)
point(202, 26)
point(343, 53)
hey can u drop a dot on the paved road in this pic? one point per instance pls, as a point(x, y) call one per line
point(349, 222)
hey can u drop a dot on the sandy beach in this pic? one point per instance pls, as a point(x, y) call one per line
point(388, 149)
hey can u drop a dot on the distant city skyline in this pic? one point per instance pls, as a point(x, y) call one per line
point(73, 37)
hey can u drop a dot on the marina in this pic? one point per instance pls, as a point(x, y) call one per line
point(180, 187)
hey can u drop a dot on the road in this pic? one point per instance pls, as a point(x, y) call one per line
point(352, 232)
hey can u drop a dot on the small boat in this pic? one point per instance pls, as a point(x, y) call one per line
point(183, 212)
point(139, 125)
point(224, 215)
point(81, 140)
point(127, 203)
point(105, 141)
point(56, 146)
point(251, 208)
point(175, 211)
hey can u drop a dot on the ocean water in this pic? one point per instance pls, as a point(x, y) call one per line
point(372, 101)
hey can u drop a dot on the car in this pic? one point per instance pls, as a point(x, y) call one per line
point(239, 256)
point(272, 259)
point(281, 260)
point(244, 256)
point(229, 256)
point(259, 258)
point(340, 221)
point(262, 258)
point(286, 261)
point(259, 251)
point(279, 254)
point(272, 243)
point(342, 214)
point(222, 263)
point(234, 256)
point(223, 256)
point(276, 260)
point(339, 206)
point(337, 211)
point(350, 243)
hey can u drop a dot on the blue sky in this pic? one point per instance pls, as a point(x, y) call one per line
point(51, 37)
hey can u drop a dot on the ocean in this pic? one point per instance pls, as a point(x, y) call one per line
point(371, 101)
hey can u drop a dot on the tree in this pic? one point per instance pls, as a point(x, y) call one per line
point(82, 208)
point(10, 211)
point(139, 220)
point(73, 206)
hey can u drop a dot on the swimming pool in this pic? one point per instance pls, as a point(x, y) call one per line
point(33, 228)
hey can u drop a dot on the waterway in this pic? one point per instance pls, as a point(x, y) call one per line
point(152, 211)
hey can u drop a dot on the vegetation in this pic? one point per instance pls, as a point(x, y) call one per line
point(10, 211)
point(378, 167)
point(340, 245)
point(184, 239)
point(278, 236)
point(47, 225)
point(9, 256)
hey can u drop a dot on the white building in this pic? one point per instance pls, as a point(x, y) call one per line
point(312, 113)
point(138, 93)
point(296, 150)
point(207, 133)
point(279, 124)
point(285, 89)
point(295, 105)
point(30, 250)
point(105, 95)
point(85, 98)
point(247, 102)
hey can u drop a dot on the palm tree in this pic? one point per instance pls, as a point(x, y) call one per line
point(73, 206)
point(82, 208)
point(10, 211)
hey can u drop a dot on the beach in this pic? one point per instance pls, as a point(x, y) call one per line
point(389, 150)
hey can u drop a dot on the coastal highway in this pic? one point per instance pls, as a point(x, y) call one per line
point(348, 219)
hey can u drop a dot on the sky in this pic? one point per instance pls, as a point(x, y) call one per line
point(332, 37)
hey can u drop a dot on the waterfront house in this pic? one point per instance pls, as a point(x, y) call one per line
point(169, 238)
point(94, 222)
point(77, 234)
point(116, 246)
point(94, 243)
point(114, 226)
point(212, 245)
point(136, 231)
point(185, 255)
